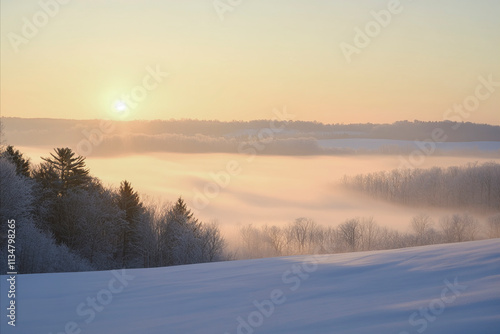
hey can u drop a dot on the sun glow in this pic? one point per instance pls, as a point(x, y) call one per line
point(120, 106)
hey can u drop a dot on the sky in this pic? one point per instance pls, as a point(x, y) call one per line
point(145, 59)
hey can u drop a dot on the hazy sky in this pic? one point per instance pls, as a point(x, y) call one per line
point(86, 54)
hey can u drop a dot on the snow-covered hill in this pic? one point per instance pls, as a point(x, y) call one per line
point(453, 288)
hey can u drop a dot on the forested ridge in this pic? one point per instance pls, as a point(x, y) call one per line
point(401, 130)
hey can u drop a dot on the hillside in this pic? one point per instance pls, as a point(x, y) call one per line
point(452, 288)
point(276, 136)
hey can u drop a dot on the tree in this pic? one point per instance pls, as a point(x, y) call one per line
point(37, 251)
point(276, 237)
point(494, 226)
point(46, 176)
point(46, 192)
point(16, 157)
point(369, 231)
point(330, 241)
point(100, 222)
point(350, 232)
point(251, 238)
point(180, 209)
point(148, 235)
point(183, 232)
point(130, 203)
point(302, 234)
point(422, 226)
point(435, 186)
point(16, 195)
point(212, 243)
point(54, 178)
point(459, 227)
point(70, 170)
point(170, 235)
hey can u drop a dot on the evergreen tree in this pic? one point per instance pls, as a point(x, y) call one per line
point(46, 176)
point(181, 211)
point(16, 157)
point(130, 203)
point(182, 235)
point(184, 220)
point(70, 170)
point(55, 177)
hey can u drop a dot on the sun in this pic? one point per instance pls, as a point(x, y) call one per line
point(120, 106)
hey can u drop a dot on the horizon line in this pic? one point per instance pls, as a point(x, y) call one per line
point(236, 121)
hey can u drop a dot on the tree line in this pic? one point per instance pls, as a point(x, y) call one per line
point(401, 130)
point(305, 236)
point(67, 220)
point(472, 186)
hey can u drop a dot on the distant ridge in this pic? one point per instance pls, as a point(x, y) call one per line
point(278, 137)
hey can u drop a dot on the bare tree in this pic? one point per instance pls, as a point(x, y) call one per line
point(435, 186)
point(212, 242)
point(459, 227)
point(350, 232)
point(369, 231)
point(302, 234)
point(330, 242)
point(276, 237)
point(494, 226)
point(254, 245)
point(422, 226)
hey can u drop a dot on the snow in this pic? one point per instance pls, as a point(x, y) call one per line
point(375, 144)
point(364, 292)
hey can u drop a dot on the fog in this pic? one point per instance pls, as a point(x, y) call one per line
point(259, 172)
point(272, 190)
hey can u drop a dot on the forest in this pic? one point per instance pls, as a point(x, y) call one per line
point(67, 220)
point(472, 186)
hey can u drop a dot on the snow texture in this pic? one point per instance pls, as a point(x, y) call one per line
point(396, 291)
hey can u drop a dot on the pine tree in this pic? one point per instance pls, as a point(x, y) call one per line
point(70, 170)
point(17, 158)
point(130, 203)
point(180, 209)
point(184, 217)
point(182, 234)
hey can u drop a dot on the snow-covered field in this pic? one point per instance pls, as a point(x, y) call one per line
point(453, 288)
